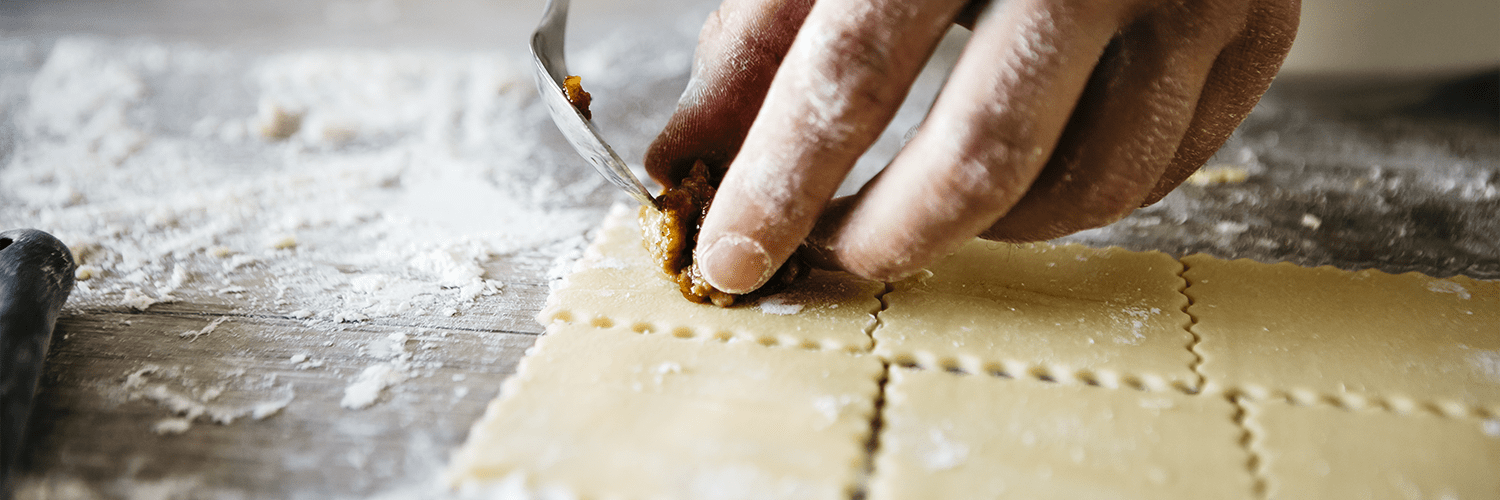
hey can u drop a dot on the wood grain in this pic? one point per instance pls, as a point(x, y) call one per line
point(90, 428)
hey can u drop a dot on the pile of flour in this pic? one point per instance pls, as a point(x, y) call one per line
point(322, 185)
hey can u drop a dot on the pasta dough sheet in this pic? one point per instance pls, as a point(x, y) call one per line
point(635, 392)
point(1106, 315)
point(954, 436)
point(1326, 452)
point(610, 413)
point(617, 283)
point(1408, 340)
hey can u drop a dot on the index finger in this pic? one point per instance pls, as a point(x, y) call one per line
point(842, 81)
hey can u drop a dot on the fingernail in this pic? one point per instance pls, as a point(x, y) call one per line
point(735, 264)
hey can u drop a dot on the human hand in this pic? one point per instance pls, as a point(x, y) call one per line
point(1060, 115)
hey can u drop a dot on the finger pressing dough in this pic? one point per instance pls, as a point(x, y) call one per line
point(979, 436)
point(1104, 314)
point(618, 283)
point(610, 413)
point(1322, 451)
point(1322, 333)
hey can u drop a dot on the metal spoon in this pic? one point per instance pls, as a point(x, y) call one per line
point(551, 68)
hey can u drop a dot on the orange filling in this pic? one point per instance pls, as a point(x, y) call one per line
point(671, 233)
point(577, 97)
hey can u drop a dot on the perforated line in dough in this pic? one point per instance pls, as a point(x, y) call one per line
point(877, 417)
point(1198, 357)
point(1251, 441)
point(688, 332)
point(1350, 401)
point(1011, 368)
point(1396, 404)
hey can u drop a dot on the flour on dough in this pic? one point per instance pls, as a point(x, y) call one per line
point(611, 413)
point(1107, 314)
point(1408, 339)
point(1322, 451)
point(978, 436)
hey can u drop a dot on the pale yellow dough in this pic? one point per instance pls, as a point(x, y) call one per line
point(958, 436)
point(617, 283)
point(610, 413)
point(637, 393)
point(1313, 334)
point(1109, 315)
point(1326, 452)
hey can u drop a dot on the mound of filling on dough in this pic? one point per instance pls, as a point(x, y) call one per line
point(580, 100)
point(671, 232)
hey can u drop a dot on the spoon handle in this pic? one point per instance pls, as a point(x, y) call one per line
point(36, 276)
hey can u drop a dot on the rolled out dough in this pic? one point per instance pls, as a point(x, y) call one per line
point(1357, 336)
point(617, 283)
point(1325, 452)
point(1110, 313)
point(635, 392)
point(611, 413)
point(978, 436)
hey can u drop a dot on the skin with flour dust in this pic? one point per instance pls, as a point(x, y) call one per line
point(1058, 117)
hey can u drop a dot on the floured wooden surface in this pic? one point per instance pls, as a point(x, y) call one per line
point(1026, 371)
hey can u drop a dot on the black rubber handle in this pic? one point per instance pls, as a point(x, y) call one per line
point(36, 276)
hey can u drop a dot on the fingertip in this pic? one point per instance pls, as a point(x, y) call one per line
point(735, 263)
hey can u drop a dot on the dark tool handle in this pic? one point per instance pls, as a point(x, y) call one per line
point(36, 275)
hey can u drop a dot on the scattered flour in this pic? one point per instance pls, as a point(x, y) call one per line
point(832, 407)
point(1445, 286)
point(265, 409)
point(221, 399)
point(1491, 427)
point(1135, 318)
point(417, 167)
point(1487, 362)
point(366, 388)
point(943, 453)
point(778, 305)
point(370, 383)
point(330, 186)
point(213, 325)
point(172, 426)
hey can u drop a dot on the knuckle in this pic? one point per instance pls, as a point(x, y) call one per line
point(1194, 22)
point(1102, 201)
point(984, 180)
point(854, 69)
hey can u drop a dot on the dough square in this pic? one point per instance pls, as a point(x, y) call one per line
point(1066, 310)
point(980, 436)
point(1319, 333)
point(617, 283)
point(611, 413)
point(1322, 451)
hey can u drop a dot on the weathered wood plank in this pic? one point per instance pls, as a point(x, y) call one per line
point(117, 384)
